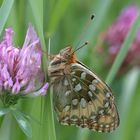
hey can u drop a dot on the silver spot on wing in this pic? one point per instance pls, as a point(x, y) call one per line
point(92, 87)
point(67, 108)
point(78, 87)
point(67, 93)
point(83, 103)
point(75, 101)
point(66, 83)
point(83, 75)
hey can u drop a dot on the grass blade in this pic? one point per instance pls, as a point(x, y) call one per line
point(50, 117)
point(5, 129)
point(4, 12)
point(58, 12)
point(48, 109)
point(48, 127)
point(128, 93)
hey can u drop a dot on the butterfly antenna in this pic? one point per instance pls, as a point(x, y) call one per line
point(87, 26)
point(86, 43)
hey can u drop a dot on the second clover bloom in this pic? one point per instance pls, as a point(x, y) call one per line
point(116, 34)
point(20, 68)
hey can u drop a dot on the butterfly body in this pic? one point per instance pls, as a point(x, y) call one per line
point(80, 97)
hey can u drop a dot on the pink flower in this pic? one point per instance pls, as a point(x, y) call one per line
point(20, 68)
point(116, 34)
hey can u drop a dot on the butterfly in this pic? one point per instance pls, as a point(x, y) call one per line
point(80, 97)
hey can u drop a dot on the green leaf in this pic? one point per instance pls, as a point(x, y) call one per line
point(23, 122)
point(4, 12)
point(4, 111)
point(123, 51)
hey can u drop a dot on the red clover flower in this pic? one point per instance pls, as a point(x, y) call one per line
point(116, 34)
point(20, 68)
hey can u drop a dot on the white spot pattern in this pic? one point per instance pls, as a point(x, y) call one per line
point(95, 81)
point(83, 103)
point(83, 75)
point(67, 93)
point(67, 108)
point(78, 87)
point(66, 83)
point(75, 101)
point(92, 87)
point(106, 104)
point(73, 79)
point(90, 93)
point(108, 94)
point(101, 111)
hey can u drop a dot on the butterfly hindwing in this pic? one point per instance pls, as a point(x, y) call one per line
point(82, 99)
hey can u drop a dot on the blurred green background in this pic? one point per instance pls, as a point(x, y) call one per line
point(64, 21)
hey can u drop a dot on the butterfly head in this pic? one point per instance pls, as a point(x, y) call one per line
point(68, 54)
point(65, 55)
point(62, 60)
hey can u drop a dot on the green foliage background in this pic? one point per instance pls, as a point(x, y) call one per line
point(63, 21)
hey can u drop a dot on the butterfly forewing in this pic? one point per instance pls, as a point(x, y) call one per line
point(82, 99)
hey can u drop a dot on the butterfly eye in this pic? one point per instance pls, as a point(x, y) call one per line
point(66, 52)
point(67, 55)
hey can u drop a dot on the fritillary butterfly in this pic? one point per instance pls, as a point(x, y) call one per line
point(80, 97)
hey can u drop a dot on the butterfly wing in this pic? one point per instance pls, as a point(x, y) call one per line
point(82, 99)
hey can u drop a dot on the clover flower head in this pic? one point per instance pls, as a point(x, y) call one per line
point(116, 34)
point(20, 68)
